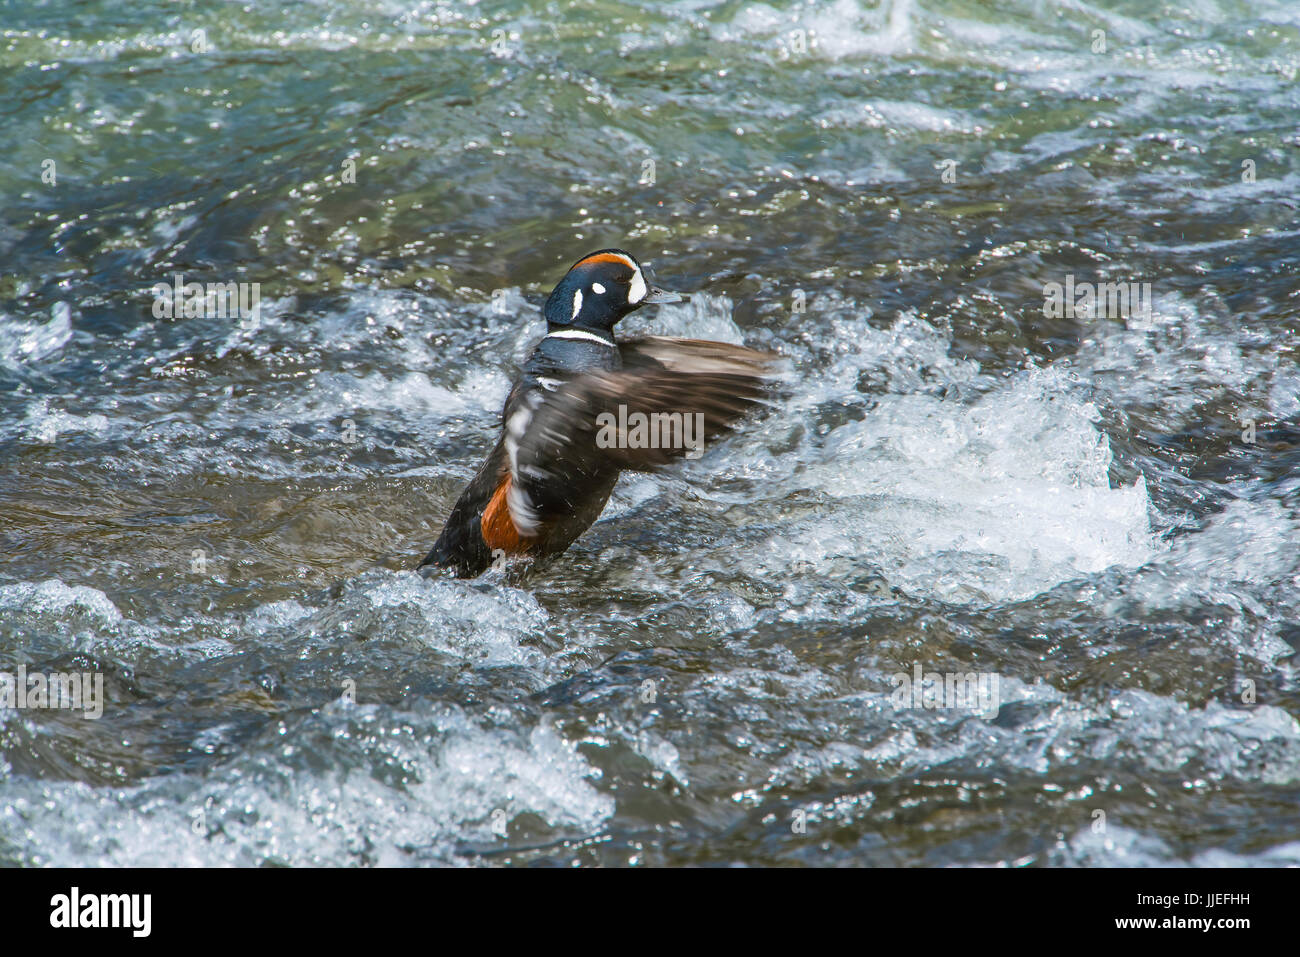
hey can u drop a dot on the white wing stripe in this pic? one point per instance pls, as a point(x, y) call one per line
point(521, 511)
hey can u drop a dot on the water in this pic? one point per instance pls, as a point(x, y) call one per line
point(220, 514)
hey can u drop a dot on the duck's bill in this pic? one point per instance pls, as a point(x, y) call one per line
point(656, 296)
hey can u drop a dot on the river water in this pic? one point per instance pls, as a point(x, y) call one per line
point(219, 514)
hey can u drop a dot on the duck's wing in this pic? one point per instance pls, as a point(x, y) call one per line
point(703, 356)
point(672, 397)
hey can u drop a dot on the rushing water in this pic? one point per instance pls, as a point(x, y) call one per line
point(220, 514)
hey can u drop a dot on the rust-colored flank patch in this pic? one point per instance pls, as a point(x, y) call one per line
point(498, 528)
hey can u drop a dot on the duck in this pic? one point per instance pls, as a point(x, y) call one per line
point(586, 407)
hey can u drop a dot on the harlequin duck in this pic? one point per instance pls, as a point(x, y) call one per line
point(585, 408)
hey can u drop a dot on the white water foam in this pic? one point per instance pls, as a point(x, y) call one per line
point(54, 597)
point(995, 499)
point(22, 341)
point(44, 424)
point(339, 789)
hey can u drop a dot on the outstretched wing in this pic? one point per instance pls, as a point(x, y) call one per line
point(672, 397)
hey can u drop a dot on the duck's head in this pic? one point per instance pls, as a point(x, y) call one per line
point(599, 290)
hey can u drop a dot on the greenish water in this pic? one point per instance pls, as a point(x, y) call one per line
point(220, 514)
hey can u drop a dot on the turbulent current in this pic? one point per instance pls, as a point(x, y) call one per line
point(218, 513)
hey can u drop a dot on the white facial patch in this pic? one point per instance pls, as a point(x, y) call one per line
point(636, 288)
point(577, 304)
point(597, 288)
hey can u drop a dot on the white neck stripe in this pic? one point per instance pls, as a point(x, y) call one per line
point(578, 334)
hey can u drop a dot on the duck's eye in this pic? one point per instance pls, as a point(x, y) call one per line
point(597, 288)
